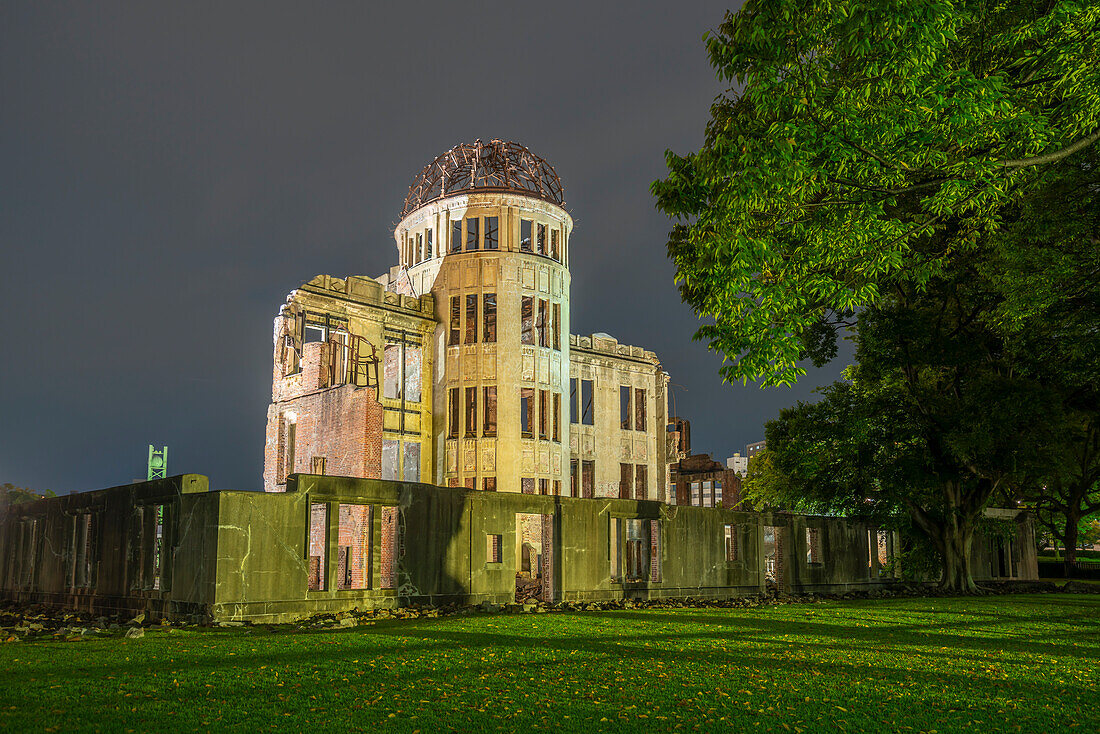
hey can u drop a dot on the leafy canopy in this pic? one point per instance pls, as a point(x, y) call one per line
point(865, 131)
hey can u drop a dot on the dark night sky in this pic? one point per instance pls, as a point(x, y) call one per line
point(169, 174)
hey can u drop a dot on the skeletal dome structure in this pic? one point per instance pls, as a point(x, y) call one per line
point(494, 166)
point(485, 231)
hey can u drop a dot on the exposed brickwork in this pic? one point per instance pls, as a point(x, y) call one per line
point(342, 424)
point(702, 468)
point(353, 545)
point(387, 551)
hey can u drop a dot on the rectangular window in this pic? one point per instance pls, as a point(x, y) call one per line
point(574, 478)
point(471, 318)
point(544, 486)
point(470, 482)
point(542, 324)
point(489, 484)
point(493, 549)
point(318, 545)
point(588, 478)
point(291, 431)
point(471, 412)
point(708, 494)
point(554, 250)
point(641, 482)
point(354, 543)
point(525, 235)
point(410, 470)
point(391, 371)
point(639, 409)
point(492, 234)
point(626, 421)
point(557, 417)
point(489, 314)
point(527, 320)
point(573, 413)
point(696, 494)
point(731, 543)
point(586, 403)
point(671, 499)
point(544, 414)
point(412, 373)
point(813, 545)
point(390, 469)
point(456, 235)
point(636, 550)
point(472, 233)
point(428, 244)
point(489, 427)
point(542, 239)
point(717, 494)
point(527, 412)
point(456, 322)
point(452, 427)
point(626, 480)
point(557, 326)
point(419, 247)
point(557, 488)
point(615, 551)
point(317, 465)
point(527, 485)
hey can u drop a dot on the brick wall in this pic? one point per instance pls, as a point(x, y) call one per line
point(342, 424)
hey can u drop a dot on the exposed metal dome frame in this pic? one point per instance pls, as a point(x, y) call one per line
point(494, 166)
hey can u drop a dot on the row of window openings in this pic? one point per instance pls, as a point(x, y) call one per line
point(702, 494)
point(483, 233)
point(542, 328)
point(527, 485)
point(401, 371)
point(548, 414)
point(353, 547)
point(733, 546)
point(632, 405)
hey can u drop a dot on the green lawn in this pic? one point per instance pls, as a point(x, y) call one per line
point(1005, 663)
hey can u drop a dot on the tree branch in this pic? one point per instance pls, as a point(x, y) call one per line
point(1054, 156)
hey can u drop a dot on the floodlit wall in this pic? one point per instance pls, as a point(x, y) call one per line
point(332, 544)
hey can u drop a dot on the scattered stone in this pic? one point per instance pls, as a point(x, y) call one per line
point(347, 622)
point(135, 633)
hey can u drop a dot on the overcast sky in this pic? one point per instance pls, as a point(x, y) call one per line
point(169, 174)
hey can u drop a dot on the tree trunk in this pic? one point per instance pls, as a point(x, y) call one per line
point(1072, 519)
point(955, 547)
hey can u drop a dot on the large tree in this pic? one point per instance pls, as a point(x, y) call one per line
point(863, 146)
point(937, 418)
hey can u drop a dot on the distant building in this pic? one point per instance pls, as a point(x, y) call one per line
point(754, 448)
point(700, 481)
point(739, 464)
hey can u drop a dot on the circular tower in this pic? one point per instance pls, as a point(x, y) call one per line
point(485, 231)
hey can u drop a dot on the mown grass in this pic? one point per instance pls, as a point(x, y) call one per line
point(1009, 663)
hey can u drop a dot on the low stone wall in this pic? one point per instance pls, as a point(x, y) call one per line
point(172, 549)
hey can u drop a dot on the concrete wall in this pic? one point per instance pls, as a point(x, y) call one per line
point(247, 555)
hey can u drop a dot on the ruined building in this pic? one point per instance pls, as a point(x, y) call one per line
point(437, 435)
point(458, 368)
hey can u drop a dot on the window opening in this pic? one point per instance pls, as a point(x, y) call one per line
point(471, 318)
point(557, 417)
point(813, 545)
point(411, 465)
point(471, 412)
point(639, 409)
point(527, 485)
point(730, 532)
point(489, 484)
point(573, 413)
point(427, 244)
point(556, 322)
point(489, 425)
point(625, 419)
point(641, 490)
point(456, 322)
point(525, 235)
point(526, 412)
point(541, 325)
point(390, 469)
point(586, 403)
point(456, 235)
point(544, 486)
point(542, 239)
point(493, 549)
point(492, 236)
point(588, 479)
point(318, 545)
point(544, 414)
point(472, 233)
point(626, 480)
point(489, 314)
point(353, 543)
point(527, 323)
point(452, 427)
point(554, 252)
